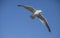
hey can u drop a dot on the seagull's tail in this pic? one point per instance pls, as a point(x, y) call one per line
point(32, 17)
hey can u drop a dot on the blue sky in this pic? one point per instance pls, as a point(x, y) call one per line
point(15, 22)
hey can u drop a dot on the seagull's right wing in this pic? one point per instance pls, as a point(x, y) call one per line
point(28, 7)
point(44, 21)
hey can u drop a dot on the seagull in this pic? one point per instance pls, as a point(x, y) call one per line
point(36, 13)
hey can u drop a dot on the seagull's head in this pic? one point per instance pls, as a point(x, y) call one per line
point(39, 10)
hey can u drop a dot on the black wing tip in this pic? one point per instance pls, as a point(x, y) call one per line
point(18, 5)
point(49, 30)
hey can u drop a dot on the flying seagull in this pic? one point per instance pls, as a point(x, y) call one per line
point(36, 13)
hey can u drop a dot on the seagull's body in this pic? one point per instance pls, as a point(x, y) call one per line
point(36, 13)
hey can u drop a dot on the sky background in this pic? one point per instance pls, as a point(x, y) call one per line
point(15, 22)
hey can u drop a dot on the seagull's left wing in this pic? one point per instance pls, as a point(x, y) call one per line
point(28, 7)
point(43, 20)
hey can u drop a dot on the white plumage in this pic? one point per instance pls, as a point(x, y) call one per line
point(37, 12)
